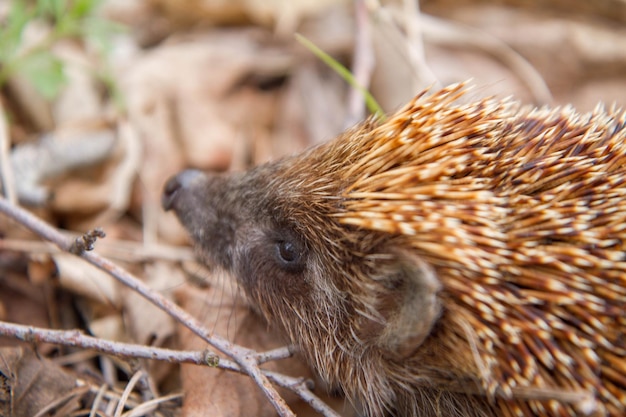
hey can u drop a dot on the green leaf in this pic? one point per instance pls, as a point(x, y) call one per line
point(11, 31)
point(45, 72)
point(100, 32)
point(370, 101)
point(51, 8)
point(83, 8)
point(70, 19)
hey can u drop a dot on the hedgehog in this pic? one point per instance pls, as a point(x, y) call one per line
point(463, 257)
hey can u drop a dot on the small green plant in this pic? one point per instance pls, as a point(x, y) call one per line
point(68, 19)
point(370, 102)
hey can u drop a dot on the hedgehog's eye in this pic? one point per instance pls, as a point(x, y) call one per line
point(290, 255)
point(288, 252)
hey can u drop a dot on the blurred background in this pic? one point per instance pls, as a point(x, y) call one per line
point(102, 100)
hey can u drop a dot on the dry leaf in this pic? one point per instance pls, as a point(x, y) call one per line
point(211, 391)
point(29, 383)
point(101, 196)
point(80, 99)
point(108, 328)
point(22, 301)
point(80, 277)
point(36, 163)
point(192, 104)
point(263, 12)
point(567, 52)
point(147, 323)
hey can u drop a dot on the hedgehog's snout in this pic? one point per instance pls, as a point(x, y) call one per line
point(176, 185)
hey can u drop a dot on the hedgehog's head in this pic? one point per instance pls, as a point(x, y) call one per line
point(275, 229)
point(323, 243)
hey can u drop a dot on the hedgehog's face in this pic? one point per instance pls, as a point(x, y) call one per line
point(235, 231)
point(300, 268)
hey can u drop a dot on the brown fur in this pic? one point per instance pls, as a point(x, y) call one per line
point(454, 260)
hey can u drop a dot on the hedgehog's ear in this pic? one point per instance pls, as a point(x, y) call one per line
point(409, 303)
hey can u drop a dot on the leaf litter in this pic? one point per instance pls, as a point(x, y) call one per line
point(217, 86)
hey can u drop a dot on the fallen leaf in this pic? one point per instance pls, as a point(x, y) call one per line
point(215, 392)
point(29, 383)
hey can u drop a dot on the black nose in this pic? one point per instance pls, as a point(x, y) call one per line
point(175, 184)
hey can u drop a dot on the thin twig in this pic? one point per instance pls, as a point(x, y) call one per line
point(121, 250)
point(75, 338)
point(405, 34)
point(127, 391)
point(147, 406)
point(304, 392)
point(95, 406)
point(413, 27)
point(246, 358)
point(275, 354)
point(446, 32)
point(86, 242)
point(6, 171)
point(75, 393)
point(362, 63)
